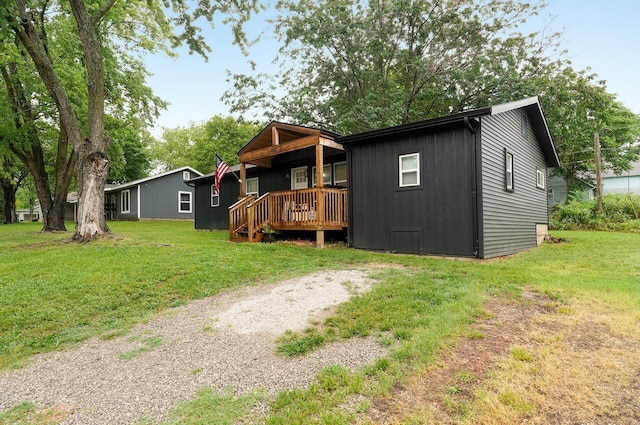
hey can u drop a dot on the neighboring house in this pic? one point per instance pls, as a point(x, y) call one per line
point(28, 214)
point(471, 184)
point(163, 196)
point(627, 182)
point(557, 190)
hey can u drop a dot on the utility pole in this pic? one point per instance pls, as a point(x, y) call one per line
point(596, 143)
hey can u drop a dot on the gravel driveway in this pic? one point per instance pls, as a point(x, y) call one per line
point(226, 341)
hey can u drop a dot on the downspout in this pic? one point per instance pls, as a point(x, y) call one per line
point(476, 184)
point(139, 205)
point(349, 196)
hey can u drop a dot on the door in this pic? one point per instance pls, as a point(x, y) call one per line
point(299, 179)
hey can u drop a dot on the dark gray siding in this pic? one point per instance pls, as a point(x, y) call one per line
point(435, 217)
point(510, 218)
point(159, 198)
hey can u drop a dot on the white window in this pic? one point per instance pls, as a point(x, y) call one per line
point(409, 166)
point(186, 175)
point(540, 179)
point(508, 170)
point(340, 173)
point(184, 202)
point(326, 175)
point(215, 198)
point(252, 186)
point(125, 201)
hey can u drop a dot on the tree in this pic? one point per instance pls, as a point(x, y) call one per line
point(197, 144)
point(11, 176)
point(576, 104)
point(100, 24)
point(434, 58)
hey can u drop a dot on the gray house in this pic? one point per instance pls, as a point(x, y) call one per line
point(163, 196)
point(471, 184)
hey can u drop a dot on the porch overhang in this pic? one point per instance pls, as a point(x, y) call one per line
point(279, 138)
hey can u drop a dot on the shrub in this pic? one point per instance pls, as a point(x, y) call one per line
point(620, 212)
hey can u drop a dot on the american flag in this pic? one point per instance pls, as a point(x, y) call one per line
point(221, 170)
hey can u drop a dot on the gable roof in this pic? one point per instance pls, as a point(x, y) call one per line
point(146, 179)
point(531, 105)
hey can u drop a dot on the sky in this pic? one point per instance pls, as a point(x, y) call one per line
point(601, 35)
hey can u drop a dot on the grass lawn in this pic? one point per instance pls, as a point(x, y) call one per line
point(54, 293)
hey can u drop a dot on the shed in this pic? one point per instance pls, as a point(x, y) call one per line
point(471, 184)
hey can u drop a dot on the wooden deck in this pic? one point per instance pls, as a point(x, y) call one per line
point(315, 209)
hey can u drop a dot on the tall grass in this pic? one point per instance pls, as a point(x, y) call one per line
point(620, 212)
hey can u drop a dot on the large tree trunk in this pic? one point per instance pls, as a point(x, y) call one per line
point(9, 215)
point(93, 164)
point(93, 168)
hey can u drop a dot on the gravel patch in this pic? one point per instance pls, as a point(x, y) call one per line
point(226, 341)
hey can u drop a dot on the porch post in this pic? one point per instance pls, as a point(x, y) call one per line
point(243, 179)
point(319, 195)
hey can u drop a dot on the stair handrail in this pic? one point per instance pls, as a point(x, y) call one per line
point(238, 214)
point(257, 215)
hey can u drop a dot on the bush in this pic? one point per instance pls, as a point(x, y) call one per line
point(620, 212)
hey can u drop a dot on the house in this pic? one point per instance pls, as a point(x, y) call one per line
point(293, 178)
point(163, 196)
point(471, 184)
point(628, 182)
point(557, 190)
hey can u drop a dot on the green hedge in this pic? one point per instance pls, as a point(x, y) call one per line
point(620, 212)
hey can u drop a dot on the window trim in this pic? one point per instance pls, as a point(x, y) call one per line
point(336, 181)
point(126, 192)
point(186, 175)
point(180, 202)
point(509, 179)
point(402, 172)
point(215, 196)
point(246, 187)
point(541, 179)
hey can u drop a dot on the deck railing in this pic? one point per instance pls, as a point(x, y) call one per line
point(305, 209)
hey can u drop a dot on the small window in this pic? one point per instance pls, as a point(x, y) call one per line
point(550, 194)
point(340, 173)
point(184, 202)
point(409, 166)
point(326, 175)
point(186, 175)
point(125, 201)
point(508, 170)
point(540, 179)
point(252, 186)
point(215, 198)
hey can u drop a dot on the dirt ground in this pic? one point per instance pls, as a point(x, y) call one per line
point(533, 360)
